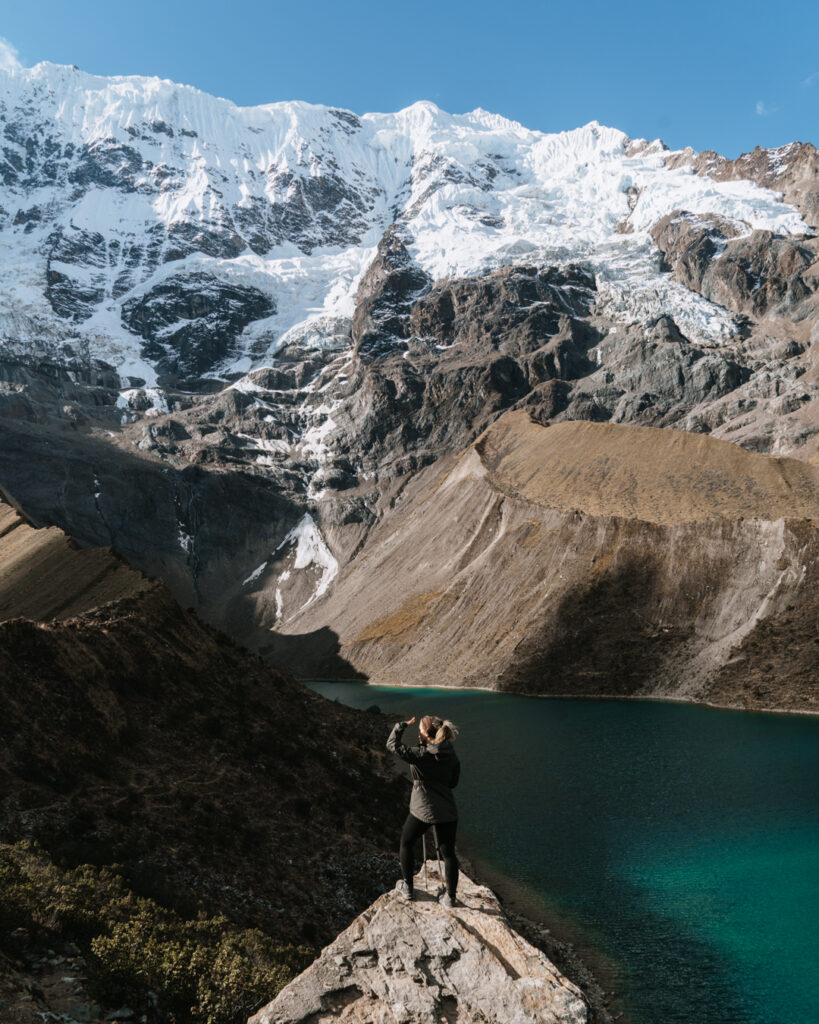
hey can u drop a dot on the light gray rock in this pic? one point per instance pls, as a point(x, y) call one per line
point(415, 962)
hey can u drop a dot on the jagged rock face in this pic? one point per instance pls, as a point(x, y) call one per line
point(384, 418)
point(515, 312)
point(385, 298)
point(401, 963)
point(190, 323)
point(473, 347)
point(192, 527)
point(754, 275)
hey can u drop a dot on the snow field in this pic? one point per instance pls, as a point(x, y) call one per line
point(472, 192)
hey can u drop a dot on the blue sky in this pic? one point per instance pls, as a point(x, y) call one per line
point(722, 74)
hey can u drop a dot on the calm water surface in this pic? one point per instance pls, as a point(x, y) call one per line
point(679, 843)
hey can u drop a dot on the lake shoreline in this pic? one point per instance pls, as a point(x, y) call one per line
point(624, 838)
point(636, 697)
point(585, 969)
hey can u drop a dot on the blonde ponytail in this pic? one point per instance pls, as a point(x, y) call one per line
point(447, 731)
point(443, 730)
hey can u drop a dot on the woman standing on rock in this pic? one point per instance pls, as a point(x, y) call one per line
point(435, 770)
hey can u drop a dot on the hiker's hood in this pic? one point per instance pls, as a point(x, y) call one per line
point(443, 748)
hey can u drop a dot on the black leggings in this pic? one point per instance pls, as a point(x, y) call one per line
point(412, 832)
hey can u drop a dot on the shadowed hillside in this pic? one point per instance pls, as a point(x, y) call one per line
point(45, 575)
point(132, 734)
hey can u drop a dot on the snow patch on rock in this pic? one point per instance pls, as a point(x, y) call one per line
point(257, 572)
point(311, 550)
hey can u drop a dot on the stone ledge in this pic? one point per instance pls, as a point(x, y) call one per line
point(416, 962)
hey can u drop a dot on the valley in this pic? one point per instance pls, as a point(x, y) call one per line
point(422, 399)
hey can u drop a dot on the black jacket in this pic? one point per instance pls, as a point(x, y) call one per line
point(435, 771)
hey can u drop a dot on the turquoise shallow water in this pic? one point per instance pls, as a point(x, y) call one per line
point(680, 843)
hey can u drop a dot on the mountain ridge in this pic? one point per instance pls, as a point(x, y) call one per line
point(233, 337)
point(162, 183)
point(544, 562)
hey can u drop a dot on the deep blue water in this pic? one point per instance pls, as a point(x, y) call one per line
point(678, 844)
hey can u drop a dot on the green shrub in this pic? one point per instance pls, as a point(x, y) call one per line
point(19, 894)
point(202, 971)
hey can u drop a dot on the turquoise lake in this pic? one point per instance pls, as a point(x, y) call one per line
point(677, 846)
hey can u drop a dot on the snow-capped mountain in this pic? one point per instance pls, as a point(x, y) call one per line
point(231, 337)
point(182, 236)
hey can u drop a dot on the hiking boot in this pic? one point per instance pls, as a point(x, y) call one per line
point(404, 890)
point(448, 901)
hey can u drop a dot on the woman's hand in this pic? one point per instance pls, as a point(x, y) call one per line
point(411, 721)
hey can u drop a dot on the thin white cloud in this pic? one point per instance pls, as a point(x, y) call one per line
point(812, 79)
point(8, 56)
point(765, 109)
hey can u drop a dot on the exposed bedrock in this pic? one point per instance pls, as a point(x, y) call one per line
point(754, 275)
point(512, 310)
point(400, 962)
point(192, 527)
point(385, 297)
point(587, 559)
point(652, 376)
point(464, 350)
point(190, 323)
point(471, 348)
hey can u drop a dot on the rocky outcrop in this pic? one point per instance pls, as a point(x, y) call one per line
point(514, 312)
point(385, 298)
point(585, 559)
point(755, 275)
point(412, 963)
point(471, 348)
point(190, 324)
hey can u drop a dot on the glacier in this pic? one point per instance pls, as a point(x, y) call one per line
point(114, 189)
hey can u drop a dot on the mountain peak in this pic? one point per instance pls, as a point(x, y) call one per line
point(132, 185)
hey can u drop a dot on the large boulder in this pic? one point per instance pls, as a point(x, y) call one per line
point(412, 963)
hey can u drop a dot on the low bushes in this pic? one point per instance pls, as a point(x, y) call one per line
point(201, 971)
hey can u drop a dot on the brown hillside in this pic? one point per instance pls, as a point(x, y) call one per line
point(593, 560)
point(659, 476)
point(46, 575)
